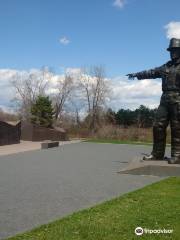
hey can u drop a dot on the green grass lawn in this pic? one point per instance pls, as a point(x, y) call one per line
point(156, 206)
point(117, 141)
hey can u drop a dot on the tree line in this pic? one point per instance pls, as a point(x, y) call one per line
point(141, 117)
point(87, 91)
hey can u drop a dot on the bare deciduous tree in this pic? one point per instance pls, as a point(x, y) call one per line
point(96, 90)
point(28, 86)
point(64, 89)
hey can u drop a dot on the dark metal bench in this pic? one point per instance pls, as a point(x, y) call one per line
point(49, 144)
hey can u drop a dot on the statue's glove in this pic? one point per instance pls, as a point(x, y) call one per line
point(131, 75)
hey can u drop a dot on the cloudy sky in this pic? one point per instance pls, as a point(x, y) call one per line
point(123, 35)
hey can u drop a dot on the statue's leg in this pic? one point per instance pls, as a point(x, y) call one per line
point(159, 132)
point(175, 133)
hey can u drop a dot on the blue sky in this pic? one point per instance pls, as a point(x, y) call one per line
point(126, 39)
point(123, 35)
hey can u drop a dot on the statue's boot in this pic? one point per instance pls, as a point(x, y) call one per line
point(174, 160)
point(149, 158)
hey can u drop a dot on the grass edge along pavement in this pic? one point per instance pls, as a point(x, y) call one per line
point(112, 141)
point(155, 206)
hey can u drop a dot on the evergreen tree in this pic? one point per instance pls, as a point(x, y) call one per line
point(42, 112)
point(145, 116)
point(125, 117)
point(140, 117)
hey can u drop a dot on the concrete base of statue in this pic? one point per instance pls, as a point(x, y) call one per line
point(155, 168)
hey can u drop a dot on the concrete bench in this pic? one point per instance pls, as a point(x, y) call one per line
point(49, 144)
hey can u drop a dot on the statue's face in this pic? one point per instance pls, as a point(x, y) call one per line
point(175, 53)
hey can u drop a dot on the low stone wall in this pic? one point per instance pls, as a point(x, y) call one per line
point(9, 133)
point(31, 132)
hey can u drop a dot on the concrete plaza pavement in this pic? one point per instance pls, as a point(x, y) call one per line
point(40, 186)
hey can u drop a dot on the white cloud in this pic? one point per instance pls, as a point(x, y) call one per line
point(6, 74)
point(64, 40)
point(173, 30)
point(7, 92)
point(119, 3)
point(73, 71)
point(132, 93)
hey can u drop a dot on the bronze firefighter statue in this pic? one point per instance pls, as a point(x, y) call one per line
point(169, 108)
